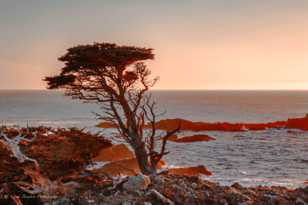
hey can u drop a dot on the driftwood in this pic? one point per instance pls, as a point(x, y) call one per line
point(13, 145)
point(161, 197)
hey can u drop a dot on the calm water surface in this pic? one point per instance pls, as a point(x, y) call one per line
point(270, 157)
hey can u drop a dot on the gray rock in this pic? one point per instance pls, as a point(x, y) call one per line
point(135, 183)
point(59, 201)
point(158, 180)
point(194, 185)
point(127, 203)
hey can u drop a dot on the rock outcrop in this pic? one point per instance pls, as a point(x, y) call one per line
point(293, 123)
point(190, 171)
point(189, 139)
point(59, 155)
point(298, 123)
point(126, 167)
point(114, 153)
point(63, 152)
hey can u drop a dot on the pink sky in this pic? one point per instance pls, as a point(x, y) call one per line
point(198, 45)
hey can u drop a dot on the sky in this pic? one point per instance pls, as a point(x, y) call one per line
point(198, 44)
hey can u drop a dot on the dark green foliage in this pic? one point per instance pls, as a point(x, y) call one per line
point(59, 81)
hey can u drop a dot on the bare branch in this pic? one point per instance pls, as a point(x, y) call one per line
point(164, 141)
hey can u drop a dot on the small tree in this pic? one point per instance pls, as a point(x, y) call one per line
point(117, 79)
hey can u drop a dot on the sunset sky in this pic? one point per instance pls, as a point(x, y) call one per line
point(199, 44)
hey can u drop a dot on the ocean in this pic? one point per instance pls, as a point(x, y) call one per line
point(270, 157)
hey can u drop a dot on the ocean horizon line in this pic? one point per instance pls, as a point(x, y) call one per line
point(174, 90)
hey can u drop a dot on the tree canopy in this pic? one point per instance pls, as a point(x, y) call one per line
point(89, 60)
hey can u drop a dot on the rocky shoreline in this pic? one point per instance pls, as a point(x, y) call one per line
point(69, 166)
point(172, 189)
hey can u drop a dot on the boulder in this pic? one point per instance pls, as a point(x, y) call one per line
point(190, 171)
point(114, 153)
point(128, 167)
point(138, 182)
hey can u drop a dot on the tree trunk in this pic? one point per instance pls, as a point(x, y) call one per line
point(142, 159)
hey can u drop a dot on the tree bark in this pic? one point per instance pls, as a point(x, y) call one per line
point(142, 159)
